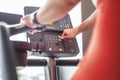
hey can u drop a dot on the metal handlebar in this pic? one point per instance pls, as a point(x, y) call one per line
point(19, 28)
point(7, 56)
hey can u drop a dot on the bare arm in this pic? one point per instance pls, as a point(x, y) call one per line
point(52, 11)
point(86, 24)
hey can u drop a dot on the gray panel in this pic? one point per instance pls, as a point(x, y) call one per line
point(87, 10)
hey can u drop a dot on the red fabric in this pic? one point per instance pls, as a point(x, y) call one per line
point(102, 57)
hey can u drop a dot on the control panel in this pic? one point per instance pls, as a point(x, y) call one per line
point(59, 25)
point(49, 42)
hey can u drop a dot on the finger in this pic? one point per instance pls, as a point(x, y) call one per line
point(27, 21)
point(66, 37)
point(32, 31)
point(63, 35)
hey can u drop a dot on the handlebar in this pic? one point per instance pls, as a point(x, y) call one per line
point(19, 28)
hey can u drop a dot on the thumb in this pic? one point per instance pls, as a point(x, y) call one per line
point(64, 36)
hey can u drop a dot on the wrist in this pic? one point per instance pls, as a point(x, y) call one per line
point(76, 29)
point(35, 21)
point(34, 18)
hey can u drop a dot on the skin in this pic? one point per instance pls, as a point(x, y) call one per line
point(85, 25)
point(55, 10)
point(52, 11)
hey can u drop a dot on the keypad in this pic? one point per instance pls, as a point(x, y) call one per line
point(47, 42)
point(54, 43)
point(63, 23)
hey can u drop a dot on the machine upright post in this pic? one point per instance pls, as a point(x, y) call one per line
point(51, 69)
point(8, 71)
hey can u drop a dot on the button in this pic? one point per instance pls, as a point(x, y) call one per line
point(55, 49)
point(60, 49)
point(41, 39)
point(59, 40)
point(50, 49)
point(48, 45)
point(61, 25)
point(72, 50)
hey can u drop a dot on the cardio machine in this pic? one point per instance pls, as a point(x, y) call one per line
point(45, 43)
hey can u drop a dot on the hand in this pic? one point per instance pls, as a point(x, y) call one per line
point(69, 33)
point(26, 20)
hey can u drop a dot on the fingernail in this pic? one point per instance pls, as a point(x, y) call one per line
point(60, 37)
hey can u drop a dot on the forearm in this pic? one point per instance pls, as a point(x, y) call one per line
point(53, 10)
point(88, 23)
